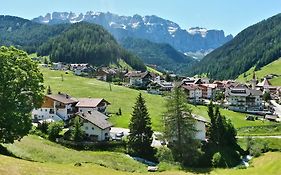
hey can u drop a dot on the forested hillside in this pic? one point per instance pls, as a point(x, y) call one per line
point(257, 45)
point(81, 42)
point(162, 55)
point(87, 43)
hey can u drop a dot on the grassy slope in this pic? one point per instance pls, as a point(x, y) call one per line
point(150, 69)
point(36, 149)
point(125, 98)
point(118, 97)
point(50, 158)
point(272, 68)
point(268, 164)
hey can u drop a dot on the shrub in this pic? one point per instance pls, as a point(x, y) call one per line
point(54, 129)
point(217, 159)
point(43, 127)
point(164, 154)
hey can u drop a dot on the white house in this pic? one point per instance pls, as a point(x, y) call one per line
point(194, 92)
point(92, 104)
point(55, 106)
point(244, 99)
point(95, 125)
point(200, 126)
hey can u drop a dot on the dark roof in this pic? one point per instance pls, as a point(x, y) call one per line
point(90, 102)
point(63, 98)
point(96, 118)
point(137, 74)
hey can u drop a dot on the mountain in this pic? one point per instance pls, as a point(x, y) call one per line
point(163, 55)
point(152, 28)
point(71, 43)
point(256, 46)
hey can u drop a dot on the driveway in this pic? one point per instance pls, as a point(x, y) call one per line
point(277, 107)
point(115, 130)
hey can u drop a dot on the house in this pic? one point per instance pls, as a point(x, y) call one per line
point(138, 79)
point(92, 104)
point(95, 125)
point(200, 126)
point(58, 66)
point(208, 90)
point(62, 107)
point(194, 93)
point(244, 99)
point(74, 67)
point(56, 106)
point(158, 86)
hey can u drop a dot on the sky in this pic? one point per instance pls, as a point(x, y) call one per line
point(232, 16)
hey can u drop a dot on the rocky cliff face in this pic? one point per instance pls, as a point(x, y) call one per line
point(152, 28)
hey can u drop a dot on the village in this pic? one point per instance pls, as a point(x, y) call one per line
point(260, 100)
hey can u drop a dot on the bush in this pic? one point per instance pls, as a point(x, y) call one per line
point(54, 129)
point(256, 150)
point(217, 160)
point(43, 127)
point(164, 154)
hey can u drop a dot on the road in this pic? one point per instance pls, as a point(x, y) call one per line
point(115, 130)
point(277, 107)
point(259, 137)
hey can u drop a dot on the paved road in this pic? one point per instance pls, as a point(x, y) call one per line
point(277, 107)
point(115, 130)
point(259, 137)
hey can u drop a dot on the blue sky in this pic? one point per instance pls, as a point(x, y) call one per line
point(231, 16)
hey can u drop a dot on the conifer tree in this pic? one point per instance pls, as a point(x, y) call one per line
point(140, 137)
point(180, 129)
point(49, 91)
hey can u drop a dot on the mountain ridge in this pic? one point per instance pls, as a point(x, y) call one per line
point(152, 27)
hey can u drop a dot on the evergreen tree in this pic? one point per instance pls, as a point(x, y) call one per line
point(222, 139)
point(140, 137)
point(49, 91)
point(77, 132)
point(180, 129)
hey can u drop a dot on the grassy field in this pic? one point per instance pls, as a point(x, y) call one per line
point(124, 98)
point(39, 156)
point(150, 69)
point(119, 97)
point(274, 129)
point(272, 68)
point(272, 143)
point(36, 149)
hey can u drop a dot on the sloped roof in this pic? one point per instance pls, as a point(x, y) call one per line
point(63, 98)
point(264, 83)
point(96, 118)
point(90, 102)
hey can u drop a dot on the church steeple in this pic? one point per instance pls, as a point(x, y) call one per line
point(254, 80)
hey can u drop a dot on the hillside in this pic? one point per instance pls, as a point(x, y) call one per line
point(124, 98)
point(87, 43)
point(272, 68)
point(257, 45)
point(163, 55)
point(153, 28)
point(79, 43)
point(39, 156)
point(25, 34)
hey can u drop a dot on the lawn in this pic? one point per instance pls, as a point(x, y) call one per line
point(50, 158)
point(272, 68)
point(272, 143)
point(37, 149)
point(119, 97)
point(124, 98)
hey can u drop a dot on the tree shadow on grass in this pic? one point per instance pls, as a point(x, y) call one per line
point(198, 170)
point(4, 151)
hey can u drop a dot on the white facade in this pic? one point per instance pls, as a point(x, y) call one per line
point(135, 80)
point(201, 130)
point(94, 131)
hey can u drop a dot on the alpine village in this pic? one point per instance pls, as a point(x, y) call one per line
point(98, 93)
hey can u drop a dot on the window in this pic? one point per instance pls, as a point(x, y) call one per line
point(86, 127)
point(46, 110)
point(80, 110)
point(93, 128)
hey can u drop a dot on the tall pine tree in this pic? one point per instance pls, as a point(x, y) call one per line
point(180, 129)
point(140, 137)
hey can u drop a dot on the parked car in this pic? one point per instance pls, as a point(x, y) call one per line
point(120, 134)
